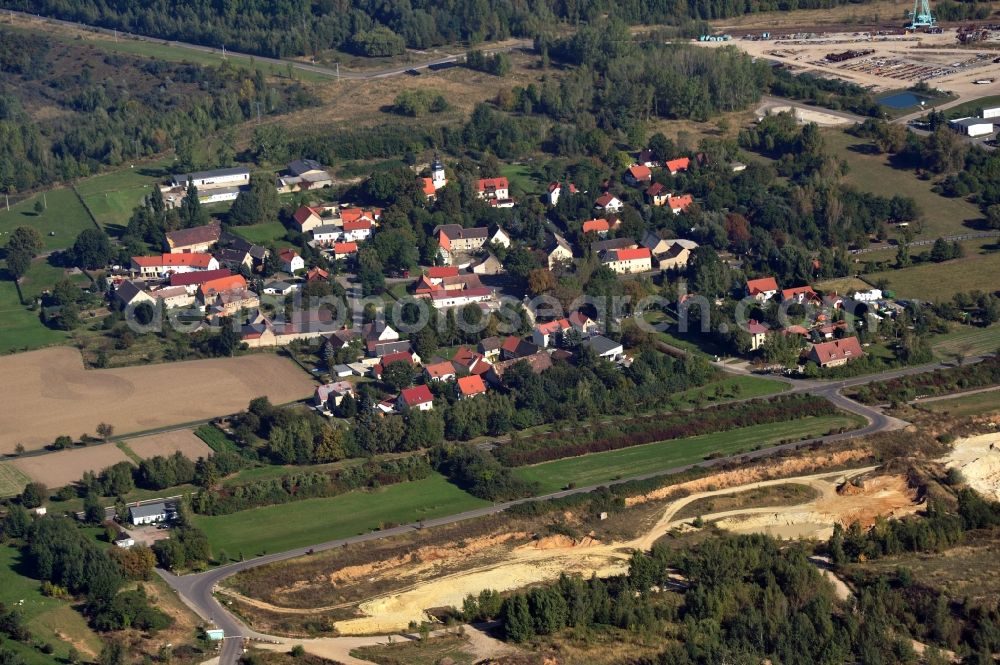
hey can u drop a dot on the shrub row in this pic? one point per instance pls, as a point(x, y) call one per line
point(938, 382)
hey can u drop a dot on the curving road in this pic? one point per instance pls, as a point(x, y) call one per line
point(196, 590)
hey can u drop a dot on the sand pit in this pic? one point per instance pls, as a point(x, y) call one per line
point(183, 441)
point(978, 458)
point(67, 466)
point(805, 116)
point(48, 393)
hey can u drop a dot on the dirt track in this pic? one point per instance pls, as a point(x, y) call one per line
point(48, 393)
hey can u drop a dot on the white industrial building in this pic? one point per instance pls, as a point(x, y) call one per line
point(991, 113)
point(972, 126)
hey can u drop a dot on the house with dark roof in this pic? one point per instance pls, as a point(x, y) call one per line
point(537, 363)
point(195, 239)
point(515, 347)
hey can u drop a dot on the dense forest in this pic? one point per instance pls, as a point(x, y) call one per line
point(279, 28)
point(111, 108)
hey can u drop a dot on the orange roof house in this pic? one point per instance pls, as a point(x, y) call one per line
point(762, 288)
point(470, 386)
point(596, 226)
point(679, 164)
point(638, 173)
point(837, 352)
point(214, 287)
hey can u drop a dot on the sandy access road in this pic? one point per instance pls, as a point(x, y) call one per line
point(48, 393)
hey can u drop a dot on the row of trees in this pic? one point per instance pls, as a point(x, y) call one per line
point(938, 382)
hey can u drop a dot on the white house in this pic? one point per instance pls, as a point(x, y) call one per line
point(149, 513)
point(500, 237)
point(606, 348)
point(327, 234)
point(609, 203)
point(164, 265)
point(497, 189)
point(417, 397)
point(358, 229)
point(291, 261)
point(444, 299)
point(871, 295)
point(762, 289)
point(628, 261)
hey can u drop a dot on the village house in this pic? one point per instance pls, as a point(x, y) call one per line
point(470, 386)
point(801, 295)
point(149, 513)
point(207, 291)
point(495, 191)
point(558, 250)
point(192, 280)
point(647, 158)
point(555, 191)
point(474, 362)
point(258, 253)
point(608, 203)
point(357, 230)
point(441, 371)
point(628, 261)
point(388, 359)
point(677, 165)
point(489, 348)
point(327, 234)
point(195, 239)
point(836, 352)
point(637, 174)
point(344, 250)
point(417, 397)
point(538, 362)
point(499, 237)
point(304, 175)
point(598, 226)
point(447, 298)
point(230, 257)
point(679, 204)
point(335, 392)
point(132, 294)
point(762, 289)
point(489, 266)
point(669, 253)
point(602, 246)
point(758, 334)
point(161, 267)
point(657, 194)
point(453, 238)
point(549, 333)
point(378, 331)
point(606, 348)
point(307, 218)
point(173, 297)
point(213, 186)
point(583, 324)
point(291, 262)
point(280, 288)
point(514, 347)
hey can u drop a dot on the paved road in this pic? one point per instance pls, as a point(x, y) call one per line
point(923, 243)
point(197, 589)
point(441, 59)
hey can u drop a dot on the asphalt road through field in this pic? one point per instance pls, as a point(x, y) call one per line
point(197, 589)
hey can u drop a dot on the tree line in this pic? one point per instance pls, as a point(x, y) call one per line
point(927, 384)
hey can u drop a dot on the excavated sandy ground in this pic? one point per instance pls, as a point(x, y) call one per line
point(545, 559)
point(978, 458)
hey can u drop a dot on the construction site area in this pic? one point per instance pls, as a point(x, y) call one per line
point(962, 60)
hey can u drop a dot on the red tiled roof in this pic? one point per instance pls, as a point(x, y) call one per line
point(303, 214)
point(656, 189)
point(596, 226)
point(633, 254)
point(555, 185)
point(354, 214)
point(552, 326)
point(345, 247)
point(682, 201)
point(358, 224)
point(474, 292)
point(440, 272)
point(604, 200)
point(200, 277)
point(640, 172)
point(428, 186)
point(807, 291)
point(316, 273)
point(287, 255)
point(756, 327)
point(488, 184)
point(221, 285)
point(511, 343)
point(762, 285)
point(190, 260)
point(439, 370)
point(679, 164)
point(471, 385)
point(838, 349)
point(416, 395)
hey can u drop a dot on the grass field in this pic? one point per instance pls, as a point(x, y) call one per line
point(734, 387)
point(973, 108)
point(966, 405)
point(525, 178)
point(45, 617)
point(603, 467)
point(261, 234)
point(113, 196)
point(940, 281)
point(872, 173)
point(967, 340)
point(282, 527)
point(20, 328)
point(12, 479)
point(64, 218)
point(842, 285)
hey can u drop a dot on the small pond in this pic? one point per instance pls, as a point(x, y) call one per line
point(902, 100)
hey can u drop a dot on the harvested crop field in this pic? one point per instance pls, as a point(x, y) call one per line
point(183, 441)
point(67, 466)
point(49, 393)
